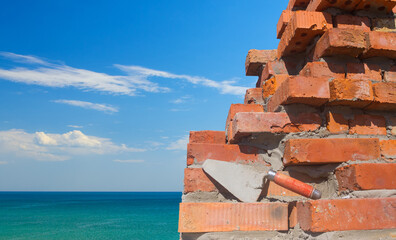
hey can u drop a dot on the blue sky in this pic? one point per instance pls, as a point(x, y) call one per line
point(101, 95)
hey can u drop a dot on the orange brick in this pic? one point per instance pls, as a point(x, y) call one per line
point(336, 123)
point(351, 92)
point(282, 23)
point(235, 108)
point(207, 137)
point(199, 152)
point(273, 68)
point(297, 5)
point(364, 71)
point(380, 44)
point(339, 41)
point(272, 84)
point(379, 6)
point(293, 220)
point(384, 96)
point(390, 76)
point(305, 90)
point(388, 149)
point(353, 22)
point(323, 69)
point(256, 59)
point(246, 124)
point(321, 5)
point(347, 214)
point(223, 217)
point(254, 95)
point(302, 29)
point(330, 150)
point(368, 124)
point(366, 176)
point(196, 180)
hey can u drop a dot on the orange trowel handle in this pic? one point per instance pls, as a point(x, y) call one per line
point(294, 185)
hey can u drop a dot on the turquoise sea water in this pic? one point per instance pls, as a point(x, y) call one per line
point(88, 215)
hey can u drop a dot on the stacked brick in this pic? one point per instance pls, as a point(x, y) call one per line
point(324, 112)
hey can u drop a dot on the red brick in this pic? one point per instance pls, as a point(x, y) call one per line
point(196, 180)
point(207, 136)
point(273, 68)
point(246, 124)
point(337, 123)
point(254, 95)
point(321, 5)
point(323, 69)
point(364, 71)
point(366, 176)
point(351, 92)
point(378, 6)
point(388, 149)
point(256, 59)
point(302, 29)
point(223, 217)
point(380, 44)
point(339, 41)
point(384, 96)
point(368, 124)
point(390, 75)
point(330, 150)
point(272, 84)
point(199, 152)
point(293, 220)
point(282, 23)
point(353, 22)
point(347, 214)
point(305, 90)
point(235, 108)
point(297, 5)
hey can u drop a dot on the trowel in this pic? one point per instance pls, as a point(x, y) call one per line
point(246, 182)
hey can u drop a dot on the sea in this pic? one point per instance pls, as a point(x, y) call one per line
point(89, 215)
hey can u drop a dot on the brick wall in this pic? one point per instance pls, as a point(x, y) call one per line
point(324, 112)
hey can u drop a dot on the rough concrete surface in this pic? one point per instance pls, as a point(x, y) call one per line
point(294, 234)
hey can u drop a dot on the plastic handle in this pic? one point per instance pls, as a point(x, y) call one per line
point(296, 186)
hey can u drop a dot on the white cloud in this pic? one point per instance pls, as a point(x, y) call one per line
point(179, 110)
point(135, 79)
point(23, 58)
point(3, 162)
point(57, 147)
point(180, 100)
point(180, 144)
point(225, 87)
point(74, 126)
point(88, 105)
point(128, 161)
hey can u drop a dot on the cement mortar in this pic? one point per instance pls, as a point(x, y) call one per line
point(384, 234)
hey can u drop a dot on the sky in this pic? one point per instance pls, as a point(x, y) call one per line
point(101, 95)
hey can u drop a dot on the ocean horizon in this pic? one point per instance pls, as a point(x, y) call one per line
point(88, 215)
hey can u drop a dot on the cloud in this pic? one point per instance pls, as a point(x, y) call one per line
point(23, 58)
point(3, 162)
point(57, 147)
point(180, 144)
point(134, 80)
point(74, 126)
point(180, 100)
point(128, 161)
point(225, 87)
point(88, 105)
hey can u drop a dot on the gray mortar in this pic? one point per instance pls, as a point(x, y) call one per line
point(293, 234)
point(382, 193)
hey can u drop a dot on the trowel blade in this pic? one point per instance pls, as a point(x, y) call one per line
point(242, 181)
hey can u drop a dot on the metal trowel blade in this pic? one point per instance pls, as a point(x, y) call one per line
point(242, 181)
